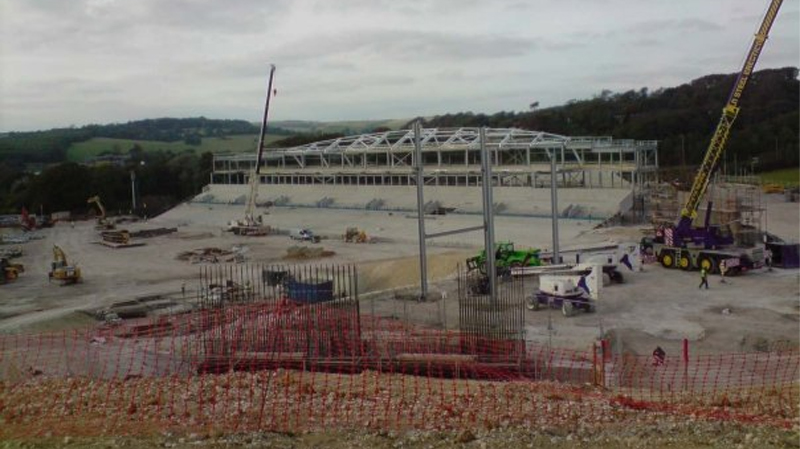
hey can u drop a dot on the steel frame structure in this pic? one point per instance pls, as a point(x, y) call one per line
point(452, 155)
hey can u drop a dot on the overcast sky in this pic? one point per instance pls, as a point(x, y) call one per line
point(73, 62)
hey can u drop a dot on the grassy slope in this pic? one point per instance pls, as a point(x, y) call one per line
point(93, 147)
point(236, 144)
point(786, 176)
point(357, 126)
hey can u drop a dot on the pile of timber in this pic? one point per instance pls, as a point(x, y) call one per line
point(148, 233)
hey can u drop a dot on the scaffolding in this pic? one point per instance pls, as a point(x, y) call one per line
point(738, 205)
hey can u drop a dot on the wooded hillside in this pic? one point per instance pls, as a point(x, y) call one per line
point(767, 126)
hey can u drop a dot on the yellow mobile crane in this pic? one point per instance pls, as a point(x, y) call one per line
point(684, 246)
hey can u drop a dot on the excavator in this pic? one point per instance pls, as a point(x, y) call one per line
point(9, 271)
point(355, 235)
point(685, 246)
point(103, 223)
point(62, 271)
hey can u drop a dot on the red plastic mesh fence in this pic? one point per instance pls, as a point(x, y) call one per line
point(284, 367)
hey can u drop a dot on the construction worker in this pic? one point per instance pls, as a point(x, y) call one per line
point(659, 355)
point(703, 278)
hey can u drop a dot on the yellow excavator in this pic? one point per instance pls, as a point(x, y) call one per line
point(355, 235)
point(9, 271)
point(62, 271)
point(103, 223)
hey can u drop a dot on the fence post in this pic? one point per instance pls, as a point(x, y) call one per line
point(685, 362)
point(605, 355)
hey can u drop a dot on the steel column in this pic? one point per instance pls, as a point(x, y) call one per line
point(423, 263)
point(488, 215)
point(554, 205)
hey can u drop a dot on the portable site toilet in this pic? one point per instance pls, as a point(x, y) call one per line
point(785, 255)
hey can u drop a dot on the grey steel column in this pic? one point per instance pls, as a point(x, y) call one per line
point(423, 263)
point(488, 215)
point(133, 191)
point(554, 203)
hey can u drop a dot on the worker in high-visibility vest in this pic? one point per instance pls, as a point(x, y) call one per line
point(703, 278)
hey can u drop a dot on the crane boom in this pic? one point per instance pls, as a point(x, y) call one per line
point(58, 255)
point(249, 215)
point(729, 113)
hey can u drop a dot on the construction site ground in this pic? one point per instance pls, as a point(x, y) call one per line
point(649, 434)
point(656, 306)
point(757, 311)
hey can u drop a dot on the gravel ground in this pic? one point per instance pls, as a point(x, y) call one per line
point(685, 435)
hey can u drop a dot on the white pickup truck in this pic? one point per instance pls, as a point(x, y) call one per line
point(304, 235)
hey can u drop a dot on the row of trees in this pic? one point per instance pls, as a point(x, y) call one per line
point(682, 118)
point(162, 180)
point(20, 148)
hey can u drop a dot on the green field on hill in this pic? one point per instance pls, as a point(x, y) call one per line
point(785, 176)
point(81, 151)
point(346, 126)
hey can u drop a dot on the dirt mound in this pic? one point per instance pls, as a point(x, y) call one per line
point(305, 253)
point(191, 235)
point(398, 273)
point(208, 255)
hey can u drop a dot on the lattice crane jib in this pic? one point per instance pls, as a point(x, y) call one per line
point(249, 215)
point(729, 113)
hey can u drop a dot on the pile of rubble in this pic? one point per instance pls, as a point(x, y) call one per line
point(305, 252)
point(10, 253)
point(19, 238)
point(147, 233)
point(213, 255)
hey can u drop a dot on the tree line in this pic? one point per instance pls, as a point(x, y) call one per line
point(162, 179)
point(50, 146)
point(681, 118)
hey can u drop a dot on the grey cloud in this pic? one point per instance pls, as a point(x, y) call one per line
point(406, 7)
point(690, 24)
point(644, 42)
point(121, 17)
point(64, 86)
point(654, 27)
point(232, 16)
point(784, 15)
point(352, 50)
point(407, 45)
point(350, 85)
point(560, 45)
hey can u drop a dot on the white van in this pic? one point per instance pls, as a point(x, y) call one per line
point(304, 235)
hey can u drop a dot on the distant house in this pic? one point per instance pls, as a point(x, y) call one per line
point(108, 159)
